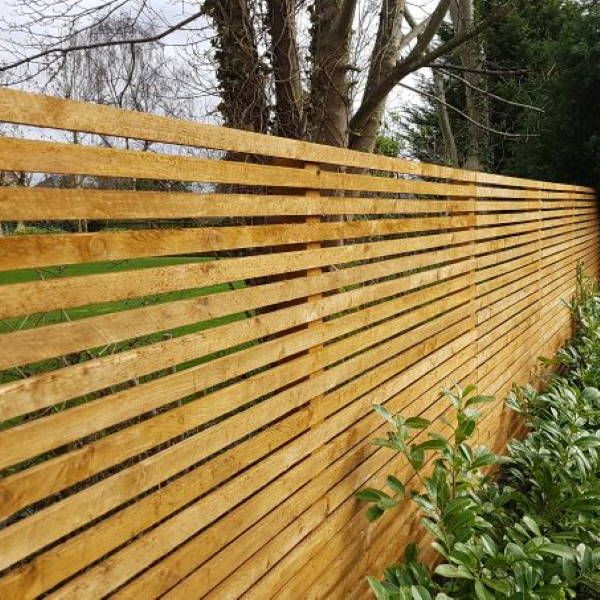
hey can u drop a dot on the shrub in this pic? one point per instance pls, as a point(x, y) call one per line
point(532, 530)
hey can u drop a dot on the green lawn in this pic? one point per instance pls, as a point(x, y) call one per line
point(25, 275)
point(138, 265)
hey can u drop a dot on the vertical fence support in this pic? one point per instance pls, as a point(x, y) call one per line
point(471, 255)
point(314, 168)
point(540, 256)
point(473, 281)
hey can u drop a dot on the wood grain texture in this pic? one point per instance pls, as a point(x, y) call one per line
point(64, 249)
point(192, 426)
point(52, 387)
point(57, 113)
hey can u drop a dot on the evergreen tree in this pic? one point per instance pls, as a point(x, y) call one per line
point(552, 49)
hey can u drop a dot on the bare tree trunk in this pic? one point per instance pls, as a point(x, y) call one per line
point(330, 55)
point(383, 59)
point(374, 97)
point(450, 151)
point(289, 110)
point(240, 73)
point(471, 57)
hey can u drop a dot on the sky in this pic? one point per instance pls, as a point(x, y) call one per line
point(171, 11)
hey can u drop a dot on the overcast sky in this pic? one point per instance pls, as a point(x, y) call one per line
point(168, 12)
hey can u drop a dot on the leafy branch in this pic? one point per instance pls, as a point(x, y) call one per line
point(534, 531)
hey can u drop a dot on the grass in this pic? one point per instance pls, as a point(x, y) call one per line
point(137, 266)
point(26, 275)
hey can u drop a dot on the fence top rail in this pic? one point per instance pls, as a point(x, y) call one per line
point(25, 108)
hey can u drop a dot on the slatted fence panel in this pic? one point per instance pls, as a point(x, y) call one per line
point(187, 388)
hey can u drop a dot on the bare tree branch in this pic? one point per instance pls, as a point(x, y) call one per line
point(491, 95)
point(450, 149)
point(468, 35)
point(416, 31)
point(481, 71)
point(433, 25)
point(383, 58)
point(413, 63)
point(409, 18)
point(89, 46)
point(465, 116)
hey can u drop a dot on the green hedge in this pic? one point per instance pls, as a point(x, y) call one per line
point(533, 529)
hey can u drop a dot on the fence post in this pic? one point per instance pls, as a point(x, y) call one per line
point(308, 218)
point(471, 254)
point(314, 168)
point(474, 205)
point(539, 255)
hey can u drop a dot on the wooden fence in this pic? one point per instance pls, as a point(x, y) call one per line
point(186, 405)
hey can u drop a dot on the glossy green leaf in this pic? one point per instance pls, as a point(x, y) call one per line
point(453, 572)
point(558, 550)
point(395, 484)
point(417, 423)
point(420, 593)
point(378, 589)
point(369, 495)
point(374, 513)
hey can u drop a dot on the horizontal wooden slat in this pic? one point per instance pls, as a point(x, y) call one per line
point(517, 354)
point(32, 204)
point(518, 350)
point(44, 111)
point(493, 289)
point(490, 260)
point(62, 249)
point(515, 217)
point(509, 230)
point(495, 308)
point(543, 230)
point(532, 312)
point(538, 245)
point(66, 292)
point(530, 274)
point(50, 388)
point(548, 202)
point(494, 270)
point(507, 218)
point(66, 159)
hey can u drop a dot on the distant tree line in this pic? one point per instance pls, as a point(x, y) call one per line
point(542, 84)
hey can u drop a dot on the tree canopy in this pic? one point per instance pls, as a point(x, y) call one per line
point(544, 97)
